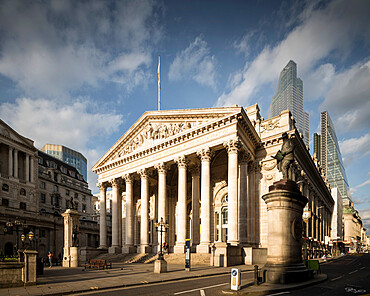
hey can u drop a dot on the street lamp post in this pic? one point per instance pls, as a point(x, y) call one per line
point(161, 227)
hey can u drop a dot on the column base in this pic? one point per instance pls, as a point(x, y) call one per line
point(203, 248)
point(179, 249)
point(160, 266)
point(128, 250)
point(104, 248)
point(286, 274)
point(144, 249)
point(114, 250)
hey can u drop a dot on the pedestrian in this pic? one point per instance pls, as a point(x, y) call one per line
point(50, 256)
point(165, 247)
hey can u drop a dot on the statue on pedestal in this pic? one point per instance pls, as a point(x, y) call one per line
point(285, 157)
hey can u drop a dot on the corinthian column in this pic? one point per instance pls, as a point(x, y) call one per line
point(129, 247)
point(103, 216)
point(144, 230)
point(232, 147)
point(195, 205)
point(162, 195)
point(27, 168)
point(181, 204)
point(15, 163)
point(31, 169)
point(205, 196)
point(245, 157)
point(10, 162)
point(116, 202)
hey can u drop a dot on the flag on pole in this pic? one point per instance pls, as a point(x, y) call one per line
point(159, 82)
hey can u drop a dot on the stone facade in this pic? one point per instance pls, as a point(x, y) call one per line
point(35, 189)
point(203, 171)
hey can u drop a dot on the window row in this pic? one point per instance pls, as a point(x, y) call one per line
point(5, 188)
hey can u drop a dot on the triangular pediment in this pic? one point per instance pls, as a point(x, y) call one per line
point(156, 126)
point(8, 134)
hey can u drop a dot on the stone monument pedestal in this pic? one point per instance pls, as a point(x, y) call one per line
point(285, 205)
point(160, 266)
point(71, 250)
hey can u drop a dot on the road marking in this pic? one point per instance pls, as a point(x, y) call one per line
point(353, 271)
point(363, 267)
point(188, 291)
point(337, 278)
point(281, 293)
point(202, 293)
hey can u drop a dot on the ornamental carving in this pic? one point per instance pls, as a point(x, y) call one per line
point(102, 186)
point(128, 178)
point(269, 165)
point(161, 168)
point(270, 125)
point(153, 133)
point(245, 157)
point(205, 154)
point(181, 161)
point(143, 173)
point(232, 145)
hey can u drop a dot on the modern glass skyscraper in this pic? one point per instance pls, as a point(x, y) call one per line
point(331, 158)
point(289, 95)
point(72, 157)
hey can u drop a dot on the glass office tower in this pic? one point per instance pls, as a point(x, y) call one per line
point(331, 158)
point(70, 156)
point(289, 95)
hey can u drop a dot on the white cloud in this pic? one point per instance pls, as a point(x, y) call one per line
point(349, 98)
point(71, 125)
point(355, 148)
point(318, 82)
point(49, 49)
point(194, 62)
point(323, 31)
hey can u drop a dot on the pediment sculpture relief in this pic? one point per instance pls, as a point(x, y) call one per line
point(154, 132)
point(270, 125)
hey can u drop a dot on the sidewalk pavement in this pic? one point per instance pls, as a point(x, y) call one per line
point(63, 281)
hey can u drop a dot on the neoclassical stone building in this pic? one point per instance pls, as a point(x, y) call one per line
point(35, 188)
point(203, 171)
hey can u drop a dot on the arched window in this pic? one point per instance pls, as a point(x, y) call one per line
point(225, 199)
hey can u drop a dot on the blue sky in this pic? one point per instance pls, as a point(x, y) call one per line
point(80, 73)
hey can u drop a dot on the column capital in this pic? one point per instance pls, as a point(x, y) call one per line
point(144, 173)
point(205, 154)
point(128, 178)
point(161, 167)
point(102, 186)
point(245, 157)
point(115, 182)
point(194, 170)
point(181, 161)
point(232, 145)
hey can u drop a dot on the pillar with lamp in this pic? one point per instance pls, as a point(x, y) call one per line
point(160, 265)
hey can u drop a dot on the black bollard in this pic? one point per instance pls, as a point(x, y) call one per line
point(256, 274)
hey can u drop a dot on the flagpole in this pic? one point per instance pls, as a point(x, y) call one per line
point(159, 82)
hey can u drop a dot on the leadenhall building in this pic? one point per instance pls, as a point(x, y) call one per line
point(204, 172)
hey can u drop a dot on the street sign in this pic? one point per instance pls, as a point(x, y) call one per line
point(187, 255)
point(235, 279)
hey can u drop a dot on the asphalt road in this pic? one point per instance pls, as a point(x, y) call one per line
point(349, 275)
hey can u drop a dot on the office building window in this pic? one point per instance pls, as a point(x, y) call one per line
point(42, 185)
point(67, 192)
point(5, 202)
point(5, 187)
point(43, 198)
point(22, 206)
point(22, 192)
